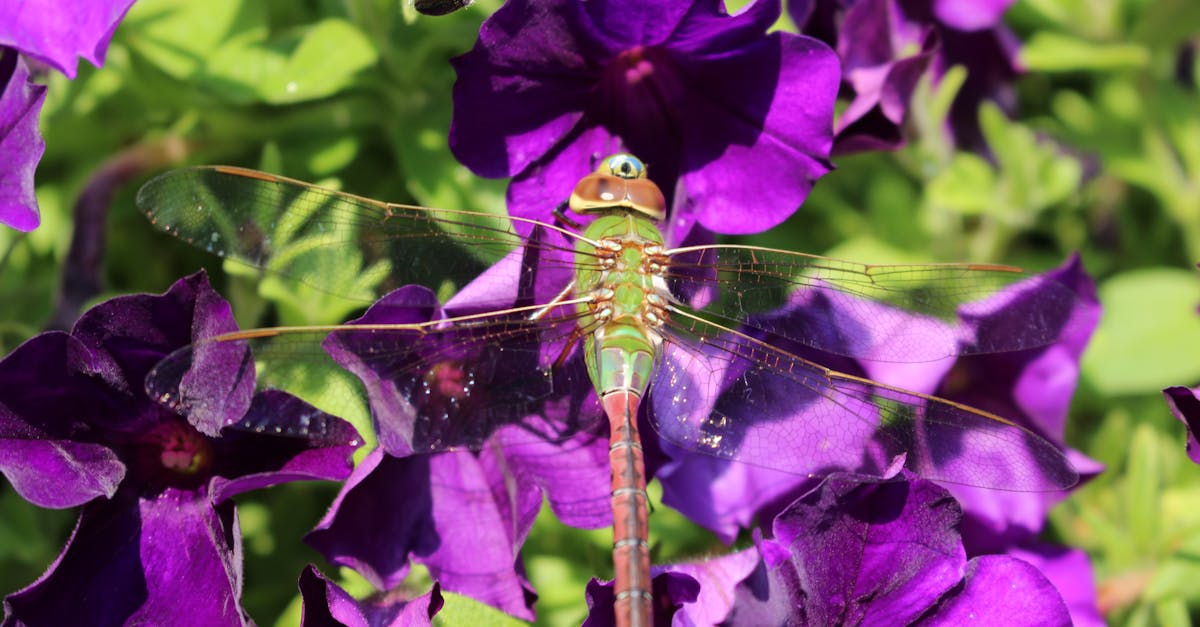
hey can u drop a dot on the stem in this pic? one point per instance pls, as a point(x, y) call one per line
point(81, 272)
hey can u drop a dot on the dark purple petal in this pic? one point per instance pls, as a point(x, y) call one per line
point(886, 45)
point(1000, 590)
point(463, 516)
point(141, 329)
point(1185, 405)
point(704, 97)
point(282, 439)
point(46, 402)
point(326, 604)
point(59, 474)
point(1070, 571)
point(21, 143)
point(125, 562)
point(857, 552)
point(692, 593)
point(669, 589)
point(868, 552)
point(58, 33)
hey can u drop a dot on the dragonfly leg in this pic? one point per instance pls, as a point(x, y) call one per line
point(560, 214)
point(554, 302)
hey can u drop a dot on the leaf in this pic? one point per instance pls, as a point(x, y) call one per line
point(461, 610)
point(1143, 482)
point(965, 187)
point(1149, 334)
point(325, 61)
point(178, 36)
point(1057, 52)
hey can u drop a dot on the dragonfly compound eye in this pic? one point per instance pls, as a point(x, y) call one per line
point(626, 166)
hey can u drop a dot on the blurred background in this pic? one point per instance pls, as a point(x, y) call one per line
point(1095, 149)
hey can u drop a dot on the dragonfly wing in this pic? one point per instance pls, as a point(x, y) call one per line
point(431, 385)
point(336, 242)
point(730, 395)
point(889, 313)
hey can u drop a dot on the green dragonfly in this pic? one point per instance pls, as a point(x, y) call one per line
point(719, 341)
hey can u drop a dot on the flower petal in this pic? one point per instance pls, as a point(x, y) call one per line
point(58, 33)
point(1185, 405)
point(325, 603)
point(21, 143)
point(126, 559)
point(46, 400)
point(1001, 590)
point(282, 439)
point(463, 517)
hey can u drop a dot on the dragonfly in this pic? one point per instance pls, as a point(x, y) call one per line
point(719, 346)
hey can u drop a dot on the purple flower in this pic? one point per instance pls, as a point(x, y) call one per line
point(733, 122)
point(858, 552)
point(886, 45)
point(854, 551)
point(462, 514)
point(21, 144)
point(1185, 405)
point(452, 512)
point(57, 33)
point(79, 430)
point(1055, 312)
point(698, 593)
point(1031, 387)
point(325, 603)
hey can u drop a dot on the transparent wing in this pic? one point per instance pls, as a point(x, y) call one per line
point(431, 385)
point(337, 242)
point(730, 395)
point(893, 313)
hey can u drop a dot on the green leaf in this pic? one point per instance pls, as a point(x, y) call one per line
point(1142, 484)
point(461, 610)
point(965, 187)
point(1149, 334)
point(292, 67)
point(1172, 612)
point(1058, 52)
point(325, 61)
point(178, 36)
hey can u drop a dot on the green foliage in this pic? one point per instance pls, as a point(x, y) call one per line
point(1101, 156)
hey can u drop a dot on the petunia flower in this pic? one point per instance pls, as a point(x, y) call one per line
point(21, 144)
point(1185, 405)
point(327, 604)
point(1034, 388)
point(860, 552)
point(734, 123)
point(462, 514)
point(54, 33)
point(887, 45)
point(1058, 309)
point(58, 33)
point(79, 429)
point(853, 551)
point(692, 593)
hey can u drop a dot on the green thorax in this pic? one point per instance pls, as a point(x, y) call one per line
point(622, 320)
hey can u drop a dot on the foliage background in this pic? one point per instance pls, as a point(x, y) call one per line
point(1102, 156)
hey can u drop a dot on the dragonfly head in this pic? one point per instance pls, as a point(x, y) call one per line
point(619, 183)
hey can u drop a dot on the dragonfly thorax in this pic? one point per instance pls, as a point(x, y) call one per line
point(628, 301)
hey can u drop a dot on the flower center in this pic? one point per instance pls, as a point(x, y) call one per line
point(635, 64)
point(447, 382)
point(173, 454)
